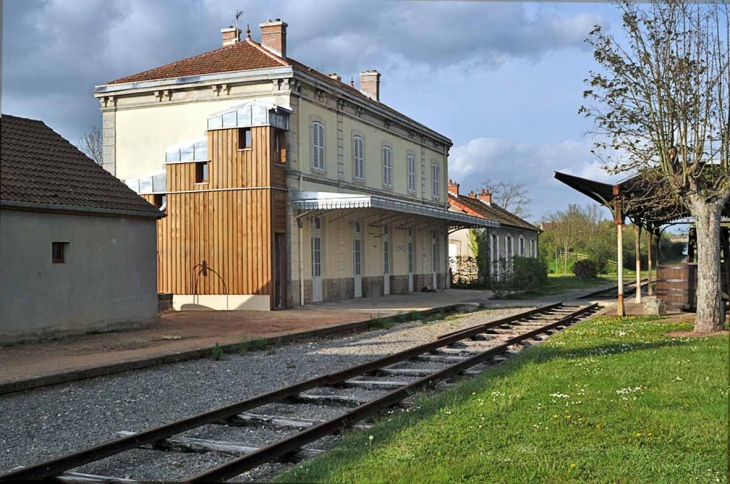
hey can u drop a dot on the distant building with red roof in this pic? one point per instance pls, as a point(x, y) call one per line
point(513, 237)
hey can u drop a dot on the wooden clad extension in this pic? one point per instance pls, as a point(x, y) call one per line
point(218, 235)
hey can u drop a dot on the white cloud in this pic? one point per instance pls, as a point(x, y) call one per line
point(62, 48)
point(531, 163)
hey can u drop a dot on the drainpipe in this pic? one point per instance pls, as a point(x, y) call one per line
point(300, 224)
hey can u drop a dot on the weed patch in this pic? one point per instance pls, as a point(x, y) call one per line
point(249, 344)
point(216, 352)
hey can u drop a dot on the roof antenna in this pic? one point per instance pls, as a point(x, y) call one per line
point(248, 31)
point(238, 15)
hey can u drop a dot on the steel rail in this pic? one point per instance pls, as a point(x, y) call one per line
point(506, 320)
point(56, 466)
point(295, 442)
point(629, 286)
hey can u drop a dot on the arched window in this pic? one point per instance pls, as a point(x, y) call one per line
point(508, 250)
point(521, 249)
point(411, 173)
point(317, 145)
point(358, 157)
point(435, 181)
point(387, 166)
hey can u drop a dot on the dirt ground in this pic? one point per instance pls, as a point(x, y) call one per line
point(190, 330)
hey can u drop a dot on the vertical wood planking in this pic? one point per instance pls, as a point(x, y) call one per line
point(229, 229)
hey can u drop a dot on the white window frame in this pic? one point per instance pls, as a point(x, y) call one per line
point(387, 166)
point(494, 246)
point(533, 252)
point(509, 249)
point(435, 181)
point(358, 157)
point(318, 144)
point(521, 246)
point(411, 172)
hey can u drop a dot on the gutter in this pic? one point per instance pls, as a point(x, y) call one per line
point(44, 207)
point(254, 74)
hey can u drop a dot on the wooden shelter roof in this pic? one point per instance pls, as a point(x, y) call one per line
point(643, 200)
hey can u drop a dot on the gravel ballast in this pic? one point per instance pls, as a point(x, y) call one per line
point(50, 422)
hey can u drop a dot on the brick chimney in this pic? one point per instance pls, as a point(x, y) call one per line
point(485, 196)
point(273, 36)
point(472, 194)
point(231, 35)
point(370, 84)
point(453, 187)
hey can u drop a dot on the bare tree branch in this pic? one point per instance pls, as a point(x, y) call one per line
point(511, 196)
point(92, 144)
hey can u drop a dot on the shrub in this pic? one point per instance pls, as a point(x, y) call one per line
point(585, 269)
point(523, 274)
point(529, 273)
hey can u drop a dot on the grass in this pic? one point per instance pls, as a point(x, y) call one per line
point(389, 322)
point(249, 344)
point(608, 400)
point(216, 352)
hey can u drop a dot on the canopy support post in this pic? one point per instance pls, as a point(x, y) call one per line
point(638, 263)
point(650, 236)
point(619, 219)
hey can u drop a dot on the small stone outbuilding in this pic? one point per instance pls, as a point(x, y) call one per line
point(77, 246)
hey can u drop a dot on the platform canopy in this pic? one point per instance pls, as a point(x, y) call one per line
point(327, 201)
point(646, 200)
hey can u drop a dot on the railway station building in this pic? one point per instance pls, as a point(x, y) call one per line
point(282, 185)
point(514, 237)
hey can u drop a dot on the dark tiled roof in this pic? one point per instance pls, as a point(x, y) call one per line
point(38, 166)
point(243, 56)
point(492, 212)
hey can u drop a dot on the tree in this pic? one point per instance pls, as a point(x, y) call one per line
point(662, 101)
point(510, 196)
point(92, 144)
point(566, 227)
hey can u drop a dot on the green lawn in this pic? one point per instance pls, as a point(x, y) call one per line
point(608, 400)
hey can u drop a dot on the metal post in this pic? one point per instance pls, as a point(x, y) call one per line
point(638, 263)
point(650, 236)
point(619, 219)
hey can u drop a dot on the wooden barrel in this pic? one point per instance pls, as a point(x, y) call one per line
point(677, 286)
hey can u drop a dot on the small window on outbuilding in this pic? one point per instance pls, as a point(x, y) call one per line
point(201, 172)
point(244, 138)
point(59, 252)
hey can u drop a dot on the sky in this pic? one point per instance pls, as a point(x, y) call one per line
point(502, 80)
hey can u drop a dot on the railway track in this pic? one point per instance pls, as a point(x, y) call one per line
point(611, 292)
point(370, 388)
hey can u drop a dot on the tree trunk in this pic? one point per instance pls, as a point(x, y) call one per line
point(637, 233)
point(710, 312)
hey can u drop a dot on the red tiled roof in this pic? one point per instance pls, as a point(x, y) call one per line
point(242, 56)
point(38, 166)
point(476, 207)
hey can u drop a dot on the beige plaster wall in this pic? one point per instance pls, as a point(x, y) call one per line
point(144, 130)
point(374, 139)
